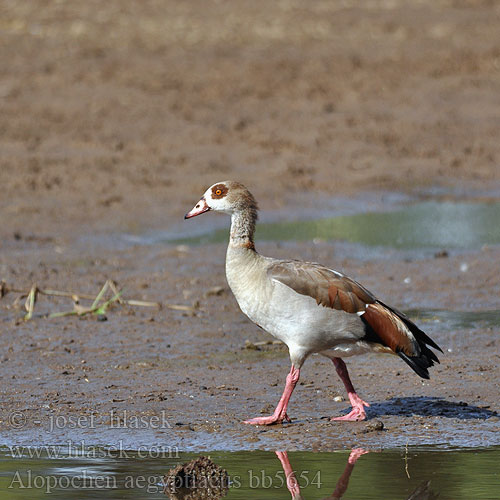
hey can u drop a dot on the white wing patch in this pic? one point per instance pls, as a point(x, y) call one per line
point(340, 275)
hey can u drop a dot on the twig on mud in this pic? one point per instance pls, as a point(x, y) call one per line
point(30, 303)
point(257, 345)
point(142, 303)
point(76, 296)
point(115, 298)
point(96, 308)
point(180, 307)
point(73, 295)
point(114, 289)
point(100, 295)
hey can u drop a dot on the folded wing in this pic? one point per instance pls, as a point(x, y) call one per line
point(383, 325)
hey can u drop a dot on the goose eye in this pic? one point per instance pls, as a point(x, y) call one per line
point(218, 192)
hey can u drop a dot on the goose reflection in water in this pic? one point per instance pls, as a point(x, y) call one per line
point(423, 492)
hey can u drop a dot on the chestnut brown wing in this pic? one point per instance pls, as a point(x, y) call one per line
point(383, 324)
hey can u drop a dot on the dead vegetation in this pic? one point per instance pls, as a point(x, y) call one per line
point(107, 296)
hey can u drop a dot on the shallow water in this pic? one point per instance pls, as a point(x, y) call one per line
point(423, 225)
point(453, 320)
point(398, 473)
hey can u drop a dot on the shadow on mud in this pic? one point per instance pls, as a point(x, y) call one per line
point(429, 407)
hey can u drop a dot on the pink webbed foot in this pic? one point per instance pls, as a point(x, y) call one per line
point(358, 411)
point(356, 415)
point(272, 419)
point(279, 414)
point(355, 454)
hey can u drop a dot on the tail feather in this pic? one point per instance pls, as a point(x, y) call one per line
point(423, 359)
point(421, 336)
point(420, 364)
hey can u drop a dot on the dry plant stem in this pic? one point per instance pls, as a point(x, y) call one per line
point(114, 289)
point(142, 303)
point(30, 302)
point(73, 295)
point(80, 310)
point(100, 295)
point(177, 307)
point(115, 298)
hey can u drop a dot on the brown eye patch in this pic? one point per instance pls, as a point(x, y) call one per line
point(219, 191)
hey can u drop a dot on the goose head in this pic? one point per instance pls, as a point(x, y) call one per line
point(227, 197)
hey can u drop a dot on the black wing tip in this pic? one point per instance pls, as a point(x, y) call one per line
point(419, 364)
point(429, 341)
point(431, 355)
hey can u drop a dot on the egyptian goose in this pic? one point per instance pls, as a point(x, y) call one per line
point(311, 308)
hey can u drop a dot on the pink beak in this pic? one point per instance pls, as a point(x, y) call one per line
point(200, 208)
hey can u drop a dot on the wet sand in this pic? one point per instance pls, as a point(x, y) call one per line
point(192, 370)
point(116, 118)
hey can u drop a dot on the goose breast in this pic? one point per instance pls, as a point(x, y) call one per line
point(295, 319)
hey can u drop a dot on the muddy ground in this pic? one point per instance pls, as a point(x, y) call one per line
point(116, 116)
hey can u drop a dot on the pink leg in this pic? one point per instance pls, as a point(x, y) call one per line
point(358, 410)
point(279, 414)
point(291, 480)
point(343, 481)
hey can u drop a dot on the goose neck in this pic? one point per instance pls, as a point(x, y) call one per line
point(243, 228)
